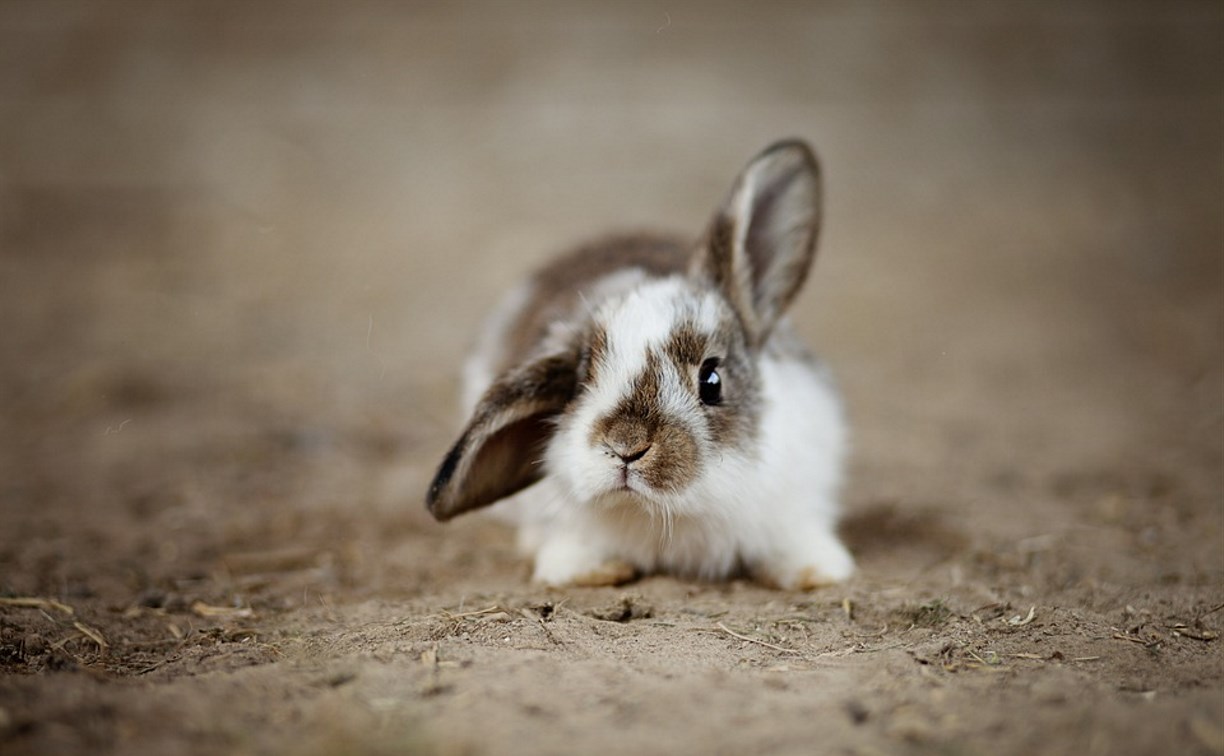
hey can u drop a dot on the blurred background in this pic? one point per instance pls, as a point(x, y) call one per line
point(244, 246)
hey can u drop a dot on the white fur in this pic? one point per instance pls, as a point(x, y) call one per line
point(775, 509)
point(771, 507)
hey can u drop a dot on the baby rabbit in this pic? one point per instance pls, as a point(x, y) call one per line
point(661, 404)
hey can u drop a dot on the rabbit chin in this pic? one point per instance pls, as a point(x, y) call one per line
point(632, 493)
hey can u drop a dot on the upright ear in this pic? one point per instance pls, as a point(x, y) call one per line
point(762, 241)
point(501, 450)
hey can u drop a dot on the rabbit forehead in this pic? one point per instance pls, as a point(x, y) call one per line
point(646, 318)
point(637, 336)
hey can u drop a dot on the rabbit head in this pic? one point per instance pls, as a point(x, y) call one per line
point(651, 390)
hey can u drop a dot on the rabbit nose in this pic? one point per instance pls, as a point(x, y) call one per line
point(627, 440)
point(631, 457)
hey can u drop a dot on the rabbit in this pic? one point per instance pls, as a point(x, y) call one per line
point(645, 406)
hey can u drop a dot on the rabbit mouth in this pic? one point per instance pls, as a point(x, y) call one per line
point(629, 480)
point(625, 499)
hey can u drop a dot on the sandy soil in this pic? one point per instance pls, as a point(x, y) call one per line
point(243, 248)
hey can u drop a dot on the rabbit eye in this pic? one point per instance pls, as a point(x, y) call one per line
point(709, 384)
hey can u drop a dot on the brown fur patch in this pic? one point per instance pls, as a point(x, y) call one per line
point(596, 354)
point(686, 346)
point(672, 461)
point(734, 421)
point(549, 381)
point(735, 415)
point(558, 287)
point(637, 410)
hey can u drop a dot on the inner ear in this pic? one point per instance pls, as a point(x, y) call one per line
point(506, 462)
point(762, 241)
point(502, 449)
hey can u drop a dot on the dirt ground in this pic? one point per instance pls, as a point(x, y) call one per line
point(244, 246)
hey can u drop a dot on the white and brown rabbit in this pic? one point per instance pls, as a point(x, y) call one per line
point(657, 397)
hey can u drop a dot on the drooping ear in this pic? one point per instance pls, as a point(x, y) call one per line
point(762, 240)
point(501, 450)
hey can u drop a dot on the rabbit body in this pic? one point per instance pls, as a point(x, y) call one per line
point(661, 404)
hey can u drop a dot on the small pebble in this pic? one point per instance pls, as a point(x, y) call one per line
point(152, 599)
point(34, 644)
point(857, 711)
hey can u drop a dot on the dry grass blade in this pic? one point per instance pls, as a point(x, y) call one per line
point(757, 641)
point(1200, 635)
point(993, 663)
point(214, 612)
point(462, 615)
point(93, 634)
point(1019, 621)
point(37, 603)
point(1135, 639)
